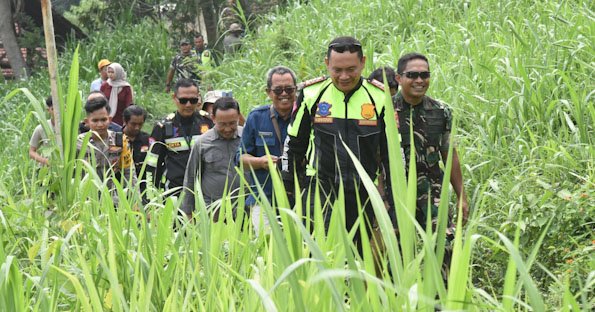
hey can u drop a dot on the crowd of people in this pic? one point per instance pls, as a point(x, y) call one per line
point(305, 131)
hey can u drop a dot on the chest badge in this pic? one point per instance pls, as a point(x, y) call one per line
point(368, 110)
point(204, 128)
point(324, 109)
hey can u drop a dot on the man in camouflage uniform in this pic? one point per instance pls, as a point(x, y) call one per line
point(431, 131)
point(185, 65)
point(431, 134)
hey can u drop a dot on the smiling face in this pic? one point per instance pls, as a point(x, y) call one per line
point(282, 102)
point(226, 123)
point(186, 108)
point(413, 90)
point(345, 69)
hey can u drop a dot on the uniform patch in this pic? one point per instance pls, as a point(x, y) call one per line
point(173, 145)
point(368, 110)
point(365, 122)
point(324, 109)
point(323, 120)
point(377, 84)
point(265, 134)
point(204, 128)
point(206, 54)
point(114, 149)
point(311, 82)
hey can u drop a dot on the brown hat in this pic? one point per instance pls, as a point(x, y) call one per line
point(103, 63)
point(235, 27)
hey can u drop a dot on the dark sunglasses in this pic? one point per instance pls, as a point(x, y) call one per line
point(279, 90)
point(186, 100)
point(342, 47)
point(415, 75)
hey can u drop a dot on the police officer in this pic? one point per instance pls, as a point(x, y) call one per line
point(173, 137)
point(343, 107)
point(204, 55)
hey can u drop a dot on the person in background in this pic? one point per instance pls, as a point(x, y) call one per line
point(232, 41)
point(390, 76)
point(184, 66)
point(203, 54)
point(134, 119)
point(267, 126)
point(118, 92)
point(211, 162)
point(102, 66)
point(39, 139)
point(209, 100)
point(173, 137)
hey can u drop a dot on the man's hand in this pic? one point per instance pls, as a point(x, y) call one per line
point(263, 161)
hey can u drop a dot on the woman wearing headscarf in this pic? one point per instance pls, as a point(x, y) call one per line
point(118, 92)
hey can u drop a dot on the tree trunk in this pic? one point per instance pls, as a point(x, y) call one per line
point(210, 15)
point(9, 40)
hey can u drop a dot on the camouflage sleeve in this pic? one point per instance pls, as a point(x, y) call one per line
point(445, 140)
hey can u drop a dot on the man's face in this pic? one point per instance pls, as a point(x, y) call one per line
point(185, 48)
point(103, 73)
point(187, 99)
point(226, 123)
point(199, 43)
point(98, 121)
point(282, 92)
point(345, 69)
point(134, 125)
point(413, 90)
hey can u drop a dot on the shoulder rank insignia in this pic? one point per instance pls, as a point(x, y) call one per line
point(203, 113)
point(377, 84)
point(170, 116)
point(310, 82)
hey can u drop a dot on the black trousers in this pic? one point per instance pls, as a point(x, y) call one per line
point(329, 193)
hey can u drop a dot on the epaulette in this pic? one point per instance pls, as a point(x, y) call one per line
point(203, 113)
point(170, 116)
point(310, 82)
point(377, 83)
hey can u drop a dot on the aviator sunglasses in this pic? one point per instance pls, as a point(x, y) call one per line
point(415, 75)
point(279, 90)
point(342, 47)
point(186, 100)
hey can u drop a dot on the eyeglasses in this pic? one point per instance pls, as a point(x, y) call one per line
point(279, 90)
point(342, 47)
point(185, 101)
point(415, 75)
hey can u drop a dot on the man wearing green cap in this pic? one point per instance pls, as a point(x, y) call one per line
point(184, 65)
point(102, 66)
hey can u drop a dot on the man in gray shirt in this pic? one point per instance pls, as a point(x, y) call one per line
point(211, 161)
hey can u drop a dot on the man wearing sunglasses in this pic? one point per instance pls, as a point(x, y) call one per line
point(347, 108)
point(267, 126)
point(431, 127)
point(173, 137)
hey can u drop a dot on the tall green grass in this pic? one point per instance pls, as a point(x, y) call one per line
point(519, 78)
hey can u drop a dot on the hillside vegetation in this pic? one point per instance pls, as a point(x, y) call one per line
point(519, 76)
